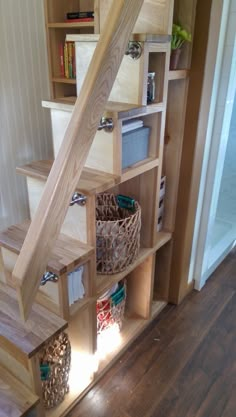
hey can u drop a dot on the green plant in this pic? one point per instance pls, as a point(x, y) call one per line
point(179, 36)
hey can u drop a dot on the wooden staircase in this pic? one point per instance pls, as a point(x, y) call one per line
point(60, 235)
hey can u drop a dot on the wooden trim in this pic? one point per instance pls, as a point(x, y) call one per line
point(192, 151)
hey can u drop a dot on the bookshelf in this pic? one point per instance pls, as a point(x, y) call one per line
point(56, 30)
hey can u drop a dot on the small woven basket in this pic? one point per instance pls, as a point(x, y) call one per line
point(112, 310)
point(117, 234)
point(55, 360)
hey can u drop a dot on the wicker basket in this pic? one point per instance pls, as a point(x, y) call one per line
point(111, 311)
point(55, 359)
point(118, 234)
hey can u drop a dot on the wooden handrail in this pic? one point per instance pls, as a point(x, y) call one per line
point(67, 168)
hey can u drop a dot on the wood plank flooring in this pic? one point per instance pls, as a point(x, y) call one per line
point(183, 365)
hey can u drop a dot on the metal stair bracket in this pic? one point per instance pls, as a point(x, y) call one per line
point(106, 124)
point(79, 199)
point(48, 276)
point(134, 50)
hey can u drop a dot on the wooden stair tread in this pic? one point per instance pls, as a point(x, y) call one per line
point(113, 109)
point(15, 398)
point(91, 180)
point(67, 252)
point(27, 337)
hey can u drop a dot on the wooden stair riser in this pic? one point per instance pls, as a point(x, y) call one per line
point(21, 368)
point(103, 149)
point(132, 79)
point(76, 224)
point(48, 295)
point(52, 295)
point(155, 16)
point(16, 362)
point(16, 399)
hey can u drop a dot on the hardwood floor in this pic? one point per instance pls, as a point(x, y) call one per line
point(183, 365)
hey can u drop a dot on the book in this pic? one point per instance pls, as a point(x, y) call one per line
point(70, 59)
point(61, 56)
point(79, 15)
point(84, 19)
point(73, 61)
point(66, 61)
point(131, 125)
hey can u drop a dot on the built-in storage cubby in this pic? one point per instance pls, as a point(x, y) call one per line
point(156, 66)
point(57, 27)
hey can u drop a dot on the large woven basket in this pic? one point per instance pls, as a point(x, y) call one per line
point(118, 234)
point(55, 360)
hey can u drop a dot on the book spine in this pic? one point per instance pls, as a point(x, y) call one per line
point(78, 15)
point(61, 56)
point(73, 61)
point(70, 59)
point(66, 61)
point(84, 19)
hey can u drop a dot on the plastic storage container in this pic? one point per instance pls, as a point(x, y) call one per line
point(135, 146)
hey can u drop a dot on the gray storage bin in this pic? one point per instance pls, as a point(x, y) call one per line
point(135, 146)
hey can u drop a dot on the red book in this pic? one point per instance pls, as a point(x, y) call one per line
point(82, 19)
point(61, 56)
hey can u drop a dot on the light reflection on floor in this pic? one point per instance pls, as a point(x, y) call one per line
point(83, 366)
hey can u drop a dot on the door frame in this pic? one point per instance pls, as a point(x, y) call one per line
point(218, 125)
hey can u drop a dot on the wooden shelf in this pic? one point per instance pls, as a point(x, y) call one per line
point(65, 25)
point(63, 80)
point(91, 181)
point(180, 74)
point(104, 282)
point(155, 108)
point(139, 168)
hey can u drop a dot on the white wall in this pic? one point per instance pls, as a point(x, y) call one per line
point(25, 132)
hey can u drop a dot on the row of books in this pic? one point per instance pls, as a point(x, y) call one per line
point(73, 17)
point(67, 60)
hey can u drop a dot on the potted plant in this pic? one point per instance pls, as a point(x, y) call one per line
point(178, 38)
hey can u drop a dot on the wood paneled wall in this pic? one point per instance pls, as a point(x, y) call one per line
point(25, 131)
